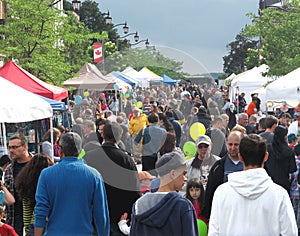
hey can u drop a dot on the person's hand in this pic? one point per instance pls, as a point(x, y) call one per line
point(124, 216)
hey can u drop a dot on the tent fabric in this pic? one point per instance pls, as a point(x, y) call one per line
point(124, 78)
point(168, 80)
point(149, 75)
point(89, 77)
point(123, 85)
point(56, 105)
point(285, 88)
point(229, 79)
point(20, 105)
point(247, 82)
point(133, 74)
point(24, 79)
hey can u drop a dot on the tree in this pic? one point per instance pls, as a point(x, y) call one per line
point(94, 19)
point(279, 32)
point(138, 58)
point(49, 44)
point(235, 61)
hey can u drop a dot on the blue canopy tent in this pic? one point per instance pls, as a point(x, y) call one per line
point(56, 105)
point(125, 78)
point(168, 80)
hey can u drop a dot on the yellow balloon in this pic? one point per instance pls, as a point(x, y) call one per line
point(139, 104)
point(86, 94)
point(197, 129)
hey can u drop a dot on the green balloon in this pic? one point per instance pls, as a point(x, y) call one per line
point(190, 149)
point(202, 228)
point(127, 95)
point(134, 101)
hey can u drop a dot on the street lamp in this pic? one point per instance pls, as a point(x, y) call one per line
point(76, 5)
point(136, 37)
point(107, 18)
point(125, 27)
point(144, 40)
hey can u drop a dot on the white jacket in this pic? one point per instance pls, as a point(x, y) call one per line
point(293, 128)
point(249, 204)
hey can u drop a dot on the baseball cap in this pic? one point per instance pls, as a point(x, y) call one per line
point(203, 139)
point(169, 161)
point(292, 137)
point(145, 175)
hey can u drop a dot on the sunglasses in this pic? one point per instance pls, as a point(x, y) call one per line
point(203, 146)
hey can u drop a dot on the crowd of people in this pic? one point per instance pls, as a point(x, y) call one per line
point(122, 169)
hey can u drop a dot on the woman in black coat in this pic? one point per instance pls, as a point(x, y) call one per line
point(281, 161)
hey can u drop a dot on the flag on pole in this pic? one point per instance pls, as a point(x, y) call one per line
point(98, 57)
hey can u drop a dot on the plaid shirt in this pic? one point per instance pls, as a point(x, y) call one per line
point(295, 190)
point(9, 184)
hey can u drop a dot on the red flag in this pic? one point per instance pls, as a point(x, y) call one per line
point(98, 53)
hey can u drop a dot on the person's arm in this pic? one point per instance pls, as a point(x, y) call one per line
point(124, 228)
point(214, 221)
point(42, 207)
point(138, 137)
point(189, 220)
point(287, 220)
point(100, 208)
point(9, 198)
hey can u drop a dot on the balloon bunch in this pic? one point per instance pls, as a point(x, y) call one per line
point(189, 148)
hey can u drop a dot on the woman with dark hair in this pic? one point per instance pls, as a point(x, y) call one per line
point(165, 123)
point(169, 144)
point(26, 183)
point(281, 161)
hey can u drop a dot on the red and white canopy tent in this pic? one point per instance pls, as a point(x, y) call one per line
point(29, 82)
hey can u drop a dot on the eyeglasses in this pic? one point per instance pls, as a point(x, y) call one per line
point(203, 146)
point(14, 147)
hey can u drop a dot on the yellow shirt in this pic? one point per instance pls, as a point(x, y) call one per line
point(137, 123)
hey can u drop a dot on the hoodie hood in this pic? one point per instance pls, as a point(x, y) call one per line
point(250, 183)
point(154, 209)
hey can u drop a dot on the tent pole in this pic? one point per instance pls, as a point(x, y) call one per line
point(4, 139)
point(51, 132)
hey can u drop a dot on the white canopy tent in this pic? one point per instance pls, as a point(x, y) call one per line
point(133, 74)
point(248, 82)
point(229, 79)
point(19, 105)
point(285, 89)
point(123, 85)
point(148, 76)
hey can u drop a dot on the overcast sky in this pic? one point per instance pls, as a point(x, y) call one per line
point(193, 31)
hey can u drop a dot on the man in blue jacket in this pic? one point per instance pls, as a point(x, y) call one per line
point(70, 196)
point(165, 212)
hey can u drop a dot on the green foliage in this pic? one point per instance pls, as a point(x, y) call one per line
point(48, 43)
point(234, 62)
point(279, 33)
point(138, 58)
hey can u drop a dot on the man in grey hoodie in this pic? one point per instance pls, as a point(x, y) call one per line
point(165, 212)
point(250, 203)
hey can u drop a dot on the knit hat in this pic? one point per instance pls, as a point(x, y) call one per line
point(169, 161)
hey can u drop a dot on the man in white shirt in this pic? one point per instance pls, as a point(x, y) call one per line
point(250, 203)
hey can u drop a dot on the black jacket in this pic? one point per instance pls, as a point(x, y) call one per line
point(215, 178)
point(120, 176)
